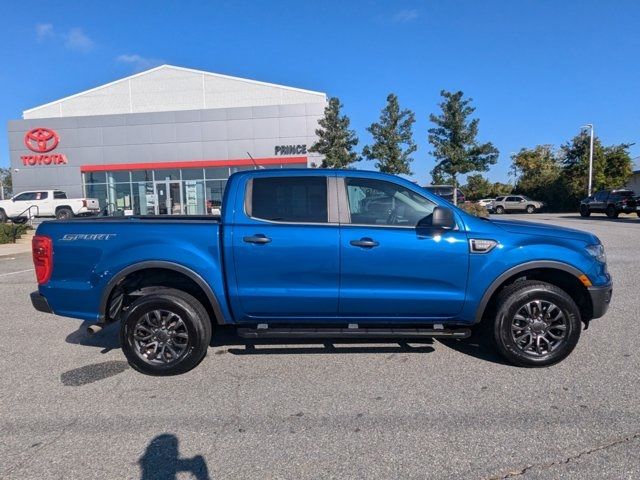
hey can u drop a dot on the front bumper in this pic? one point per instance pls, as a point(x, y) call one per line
point(600, 299)
point(40, 303)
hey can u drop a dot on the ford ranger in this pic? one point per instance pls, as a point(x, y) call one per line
point(322, 254)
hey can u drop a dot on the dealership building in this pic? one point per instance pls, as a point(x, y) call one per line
point(163, 141)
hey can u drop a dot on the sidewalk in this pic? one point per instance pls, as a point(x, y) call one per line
point(22, 245)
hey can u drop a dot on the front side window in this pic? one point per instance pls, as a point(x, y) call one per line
point(601, 196)
point(513, 199)
point(378, 202)
point(290, 199)
point(26, 196)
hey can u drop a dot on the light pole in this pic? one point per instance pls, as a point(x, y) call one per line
point(590, 127)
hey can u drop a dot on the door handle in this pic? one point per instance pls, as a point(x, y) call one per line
point(364, 242)
point(257, 238)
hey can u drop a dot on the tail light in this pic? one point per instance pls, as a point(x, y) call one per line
point(42, 249)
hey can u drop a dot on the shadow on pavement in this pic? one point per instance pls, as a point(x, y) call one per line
point(93, 373)
point(108, 339)
point(161, 461)
point(631, 218)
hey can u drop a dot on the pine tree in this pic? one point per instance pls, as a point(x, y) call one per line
point(454, 140)
point(393, 139)
point(335, 140)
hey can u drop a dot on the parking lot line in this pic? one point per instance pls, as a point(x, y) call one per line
point(13, 273)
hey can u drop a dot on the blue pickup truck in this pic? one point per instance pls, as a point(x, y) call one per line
point(322, 254)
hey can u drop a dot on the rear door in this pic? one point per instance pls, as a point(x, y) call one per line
point(599, 202)
point(513, 203)
point(285, 248)
point(390, 269)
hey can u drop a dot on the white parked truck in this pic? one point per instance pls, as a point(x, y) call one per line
point(46, 203)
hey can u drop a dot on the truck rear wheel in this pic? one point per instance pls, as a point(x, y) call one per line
point(64, 213)
point(611, 212)
point(537, 324)
point(166, 332)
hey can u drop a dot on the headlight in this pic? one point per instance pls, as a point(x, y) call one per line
point(597, 252)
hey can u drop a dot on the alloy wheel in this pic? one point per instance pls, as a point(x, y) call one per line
point(160, 337)
point(538, 328)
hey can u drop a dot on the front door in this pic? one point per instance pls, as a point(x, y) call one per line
point(284, 247)
point(391, 270)
point(169, 198)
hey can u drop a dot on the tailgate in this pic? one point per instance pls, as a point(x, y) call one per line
point(92, 204)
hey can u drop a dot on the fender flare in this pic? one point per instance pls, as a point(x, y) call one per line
point(514, 271)
point(176, 267)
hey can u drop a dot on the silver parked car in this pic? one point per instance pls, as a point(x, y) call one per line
point(516, 203)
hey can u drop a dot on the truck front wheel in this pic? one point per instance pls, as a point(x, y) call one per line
point(537, 324)
point(166, 332)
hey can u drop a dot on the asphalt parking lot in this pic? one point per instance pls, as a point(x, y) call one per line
point(72, 408)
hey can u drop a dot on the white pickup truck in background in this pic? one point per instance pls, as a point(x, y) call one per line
point(46, 203)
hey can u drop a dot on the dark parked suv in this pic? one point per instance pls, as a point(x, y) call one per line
point(611, 202)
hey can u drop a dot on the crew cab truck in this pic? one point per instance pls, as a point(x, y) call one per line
point(46, 203)
point(322, 254)
point(610, 202)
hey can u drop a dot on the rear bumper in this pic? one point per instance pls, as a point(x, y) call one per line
point(40, 303)
point(600, 299)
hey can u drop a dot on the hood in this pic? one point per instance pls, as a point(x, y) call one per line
point(531, 228)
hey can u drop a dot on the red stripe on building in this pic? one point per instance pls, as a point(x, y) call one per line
point(243, 162)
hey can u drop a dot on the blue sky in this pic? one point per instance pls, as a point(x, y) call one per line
point(536, 69)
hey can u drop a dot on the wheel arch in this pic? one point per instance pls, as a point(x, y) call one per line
point(205, 293)
point(559, 274)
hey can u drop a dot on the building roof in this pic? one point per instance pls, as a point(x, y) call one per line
point(168, 88)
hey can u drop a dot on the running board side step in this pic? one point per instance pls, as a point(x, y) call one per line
point(305, 333)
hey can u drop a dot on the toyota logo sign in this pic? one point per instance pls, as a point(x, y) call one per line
point(41, 140)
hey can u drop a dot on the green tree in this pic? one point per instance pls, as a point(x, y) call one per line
point(539, 175)
point(454, 140)
point(335, 139)
point(6, 181)
point(478, 187)
point(612, 166)
point(393, 139)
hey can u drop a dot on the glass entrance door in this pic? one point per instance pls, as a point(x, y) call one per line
point(169, 195)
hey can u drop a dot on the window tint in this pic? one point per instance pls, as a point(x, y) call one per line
point(25, 196)
point(513, 199)
point(623, 194)
point(601, 196)
point(42, 195)
point(376, 202)
point(499, 199)
point(59, 195)
point(290, 199)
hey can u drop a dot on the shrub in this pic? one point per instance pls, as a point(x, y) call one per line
point(475, 209)
point(10, 232)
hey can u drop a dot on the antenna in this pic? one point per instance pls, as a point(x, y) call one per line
point(258, 167)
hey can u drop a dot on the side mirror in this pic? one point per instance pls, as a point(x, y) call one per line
point(440, 218)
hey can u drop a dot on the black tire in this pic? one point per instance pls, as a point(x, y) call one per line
point(611, 212)
point(531, 209)
point(194, 318)
point(64, 213)
point(584, 211)
point(3, 216)
point(513, 301)
point(499, 209)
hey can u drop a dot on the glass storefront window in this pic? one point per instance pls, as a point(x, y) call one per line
point(192, 174)
point(119, 196)
point(142, 176)
point(118, 177)
point(167, 174)
point(217, 173)
point(95, 177)
point(144, 199)
point(194, 203)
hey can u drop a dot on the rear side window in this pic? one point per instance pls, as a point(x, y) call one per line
point(513, 199)
point(290, 199)
point(601, 196)
point(59, 195)
point(499, 199)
